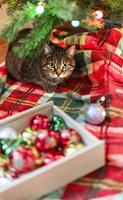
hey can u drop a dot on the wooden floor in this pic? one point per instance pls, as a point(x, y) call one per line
point(3, 50)
point(3, 20)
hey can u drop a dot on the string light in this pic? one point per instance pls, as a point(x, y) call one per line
point(98, 14)
point(39, 9)
point(75, 23)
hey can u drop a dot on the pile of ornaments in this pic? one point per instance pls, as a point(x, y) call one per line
point(42, 142)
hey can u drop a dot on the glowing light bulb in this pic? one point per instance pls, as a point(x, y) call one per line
point(98, 14)
point(75, 23)
point(39, 9)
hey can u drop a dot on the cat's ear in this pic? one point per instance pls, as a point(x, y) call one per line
point(71, 51)
point(47, 49)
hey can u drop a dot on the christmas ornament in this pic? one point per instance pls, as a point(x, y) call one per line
point(42, 133)
point(41, 138)
point(47, 140)
point(13, 173)
point(54, 134)
point(8, 133)
point(38, 145)
point(29, 136)
point(94, 113)
point(48, 158)
point(51, 157)
point(69, 136)
point(4, 163)
point(58, 156)
point(7, 146)
point(39, 122)
point(23, 159)
point(80, 146)
point(59, 149)
point(73, 148)
point(58, 123)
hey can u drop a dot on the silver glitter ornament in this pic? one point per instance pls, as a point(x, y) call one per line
point(94, 113)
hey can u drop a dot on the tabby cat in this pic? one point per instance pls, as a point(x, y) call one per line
point(48, 70)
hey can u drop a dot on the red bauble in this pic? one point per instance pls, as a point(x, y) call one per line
point(39, 122)
point(54, 134)
point(13, 173)
point(70, 136)
point(48, 158)
point(58, 156)
point(47, 139)
point(23, 160)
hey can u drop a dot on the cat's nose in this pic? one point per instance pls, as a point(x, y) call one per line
point(58, 72)
point(58, 75)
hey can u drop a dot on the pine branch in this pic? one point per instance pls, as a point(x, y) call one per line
point(66, 10)
point(54, 15)
point(18, 19)
point(18, 4)
point(37, 37)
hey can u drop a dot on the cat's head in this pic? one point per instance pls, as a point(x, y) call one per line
point(58, 63)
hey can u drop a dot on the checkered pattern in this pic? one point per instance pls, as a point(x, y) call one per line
point(100, 74)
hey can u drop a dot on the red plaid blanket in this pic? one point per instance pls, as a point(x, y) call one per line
point(101, 74)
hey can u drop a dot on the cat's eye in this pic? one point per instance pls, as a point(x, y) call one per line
point(65, 65)
point(52, 65)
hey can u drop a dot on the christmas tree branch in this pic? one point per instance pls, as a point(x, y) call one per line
point(18, 19)
point(54, 15)
point(37, 37)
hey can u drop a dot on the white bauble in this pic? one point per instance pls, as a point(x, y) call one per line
point(95, 114)
point(8, 133)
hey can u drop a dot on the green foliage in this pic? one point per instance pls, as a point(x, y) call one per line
point(17, 4)
point(37, 37)
point(114, 8)
point(65, 10)
point(54, 14)
point(18, 19)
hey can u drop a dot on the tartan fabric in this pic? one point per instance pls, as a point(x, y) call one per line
point(100, 74)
